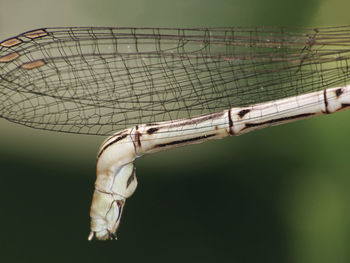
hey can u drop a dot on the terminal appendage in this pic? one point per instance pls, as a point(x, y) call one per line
point(116, 181)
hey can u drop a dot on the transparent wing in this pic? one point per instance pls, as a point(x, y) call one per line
point(100, 80)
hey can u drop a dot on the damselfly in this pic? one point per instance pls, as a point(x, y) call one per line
point(165, 88)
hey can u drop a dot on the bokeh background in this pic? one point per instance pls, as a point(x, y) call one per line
point(275, 195)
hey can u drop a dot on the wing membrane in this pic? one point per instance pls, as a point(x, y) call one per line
point(100, 80)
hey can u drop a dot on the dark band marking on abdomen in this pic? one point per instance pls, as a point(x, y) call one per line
point(184, 141)
point(326, 101)
point(131, 177)
point(194, 120)
point(339, 92)
point(230, 122)
point(344, 106)
point(137, 138)
point(151, 124)
point(304, 115)
point(114, 141)
point(152, 130)
point(242, 113)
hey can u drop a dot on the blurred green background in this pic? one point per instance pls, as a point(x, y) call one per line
point(275, 195)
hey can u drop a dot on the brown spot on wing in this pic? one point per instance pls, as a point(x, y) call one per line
point(35, 34)
point(9, 57)
point(10, 42)
point(33, 64)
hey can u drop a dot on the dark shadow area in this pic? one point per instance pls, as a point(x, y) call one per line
point(217, 214)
